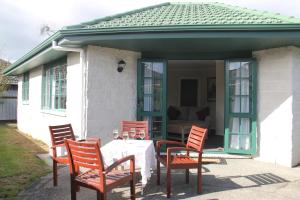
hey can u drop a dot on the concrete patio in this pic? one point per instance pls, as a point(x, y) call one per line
point(231, 179)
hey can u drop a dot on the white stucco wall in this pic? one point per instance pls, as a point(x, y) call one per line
point(276, 105)
point(111, 96)
point(220, 85)
point(33, 120)
point(296, 107)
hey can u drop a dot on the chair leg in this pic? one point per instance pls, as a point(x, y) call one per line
point(98, 195)
point(103, 195)
point(168, 182)
point(187, 176)
point(54, 173)
point(132, 190)
point(73, 189)
point(158, 172)
point(199, 189)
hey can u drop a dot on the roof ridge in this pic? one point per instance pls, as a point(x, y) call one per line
point(291, 19)
point(115, 16)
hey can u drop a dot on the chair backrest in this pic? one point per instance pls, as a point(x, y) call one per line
point(61, 132)
point(84, 154)
point(138, 125)
point(196, 138)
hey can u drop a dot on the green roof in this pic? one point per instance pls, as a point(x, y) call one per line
point(183, 14)
point(189, 20)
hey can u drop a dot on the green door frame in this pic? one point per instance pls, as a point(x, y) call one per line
point(163, 96)
point(252, 112)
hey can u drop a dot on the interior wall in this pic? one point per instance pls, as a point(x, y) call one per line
point(191, 69)
point(220, 83)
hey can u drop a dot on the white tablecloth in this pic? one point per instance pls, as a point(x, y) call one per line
point(143, 150)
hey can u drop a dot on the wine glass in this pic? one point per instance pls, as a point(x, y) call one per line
point(142, 134)
point(132, 133)
point(116, 134)
point(125, 135)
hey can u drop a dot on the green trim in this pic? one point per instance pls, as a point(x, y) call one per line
point(252, 110)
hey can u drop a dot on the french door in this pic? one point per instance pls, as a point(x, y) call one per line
point(151, 101)
point(240, 106)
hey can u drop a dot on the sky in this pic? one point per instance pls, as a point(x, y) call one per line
point(21, 20)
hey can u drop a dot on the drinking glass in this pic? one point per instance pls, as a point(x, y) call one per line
point(142, 134)
point(132, 133)
point(125, 135)
point(116, 134)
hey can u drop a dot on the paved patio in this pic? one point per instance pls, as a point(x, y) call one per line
point(232, 179)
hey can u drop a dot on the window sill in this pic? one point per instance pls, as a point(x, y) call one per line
point(61, 113)
point(25, 102)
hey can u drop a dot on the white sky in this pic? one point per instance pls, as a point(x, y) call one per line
point(20, 20)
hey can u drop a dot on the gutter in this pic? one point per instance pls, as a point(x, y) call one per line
point(83, 62)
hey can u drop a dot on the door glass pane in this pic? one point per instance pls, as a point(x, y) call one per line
point(245, 107)
point(234, 87)
point(148, 103)
point(147, 86)
point(234, 125)
point(157, 127)
point(235, 104)
point(245, 87)
point(234, 70)
point(245, 69)
point(239, 142)
point(158, 70)
point(147, 69)
point(245, 126)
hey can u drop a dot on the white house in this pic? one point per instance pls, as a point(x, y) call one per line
point(175, 55)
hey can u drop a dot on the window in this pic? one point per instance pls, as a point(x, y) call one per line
point(25, 87)
point(188, 92)
point(54, 86)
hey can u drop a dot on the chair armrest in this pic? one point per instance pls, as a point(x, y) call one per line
point(173, 149)
point(58, 145)
point(161, 142)
point(120, 161)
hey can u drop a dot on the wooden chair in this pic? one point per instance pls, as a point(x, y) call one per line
point(88, 155)
point(195, 143)
point(138, 125)
point(58, 133)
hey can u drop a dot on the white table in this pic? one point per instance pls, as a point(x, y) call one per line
point(143, 150)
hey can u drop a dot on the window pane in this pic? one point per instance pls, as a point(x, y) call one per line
point(234, 87)
point(234, 125)
point(245, 126)
point(245, 69)
point(245, 106)
point(245, 87)
point(234, 70)
point(235, 104)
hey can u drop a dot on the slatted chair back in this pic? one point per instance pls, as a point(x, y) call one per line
point(196, 138)
point(138, 126)
point(84, 154)
point(61, 132)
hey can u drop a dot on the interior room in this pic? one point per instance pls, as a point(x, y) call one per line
point(193, 100)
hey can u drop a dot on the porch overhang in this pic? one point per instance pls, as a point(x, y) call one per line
point(209, 42)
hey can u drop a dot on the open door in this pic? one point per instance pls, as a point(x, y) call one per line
point(151, 86)
point(240, 106)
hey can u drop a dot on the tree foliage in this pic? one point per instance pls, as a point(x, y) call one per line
point(4, 80)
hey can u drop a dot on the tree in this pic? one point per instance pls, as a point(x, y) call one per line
point(4, 80)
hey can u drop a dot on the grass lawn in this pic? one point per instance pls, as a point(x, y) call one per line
point(19, 165)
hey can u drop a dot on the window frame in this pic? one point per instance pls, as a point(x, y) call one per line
point(49, 97)
point(25, 88)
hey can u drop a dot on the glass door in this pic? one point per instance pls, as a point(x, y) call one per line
point(151, 105)
point(240, 106)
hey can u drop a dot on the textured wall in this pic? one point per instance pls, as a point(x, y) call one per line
point(111, 96)
point(296, 107)
point(275, 105)
point(33, 120)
